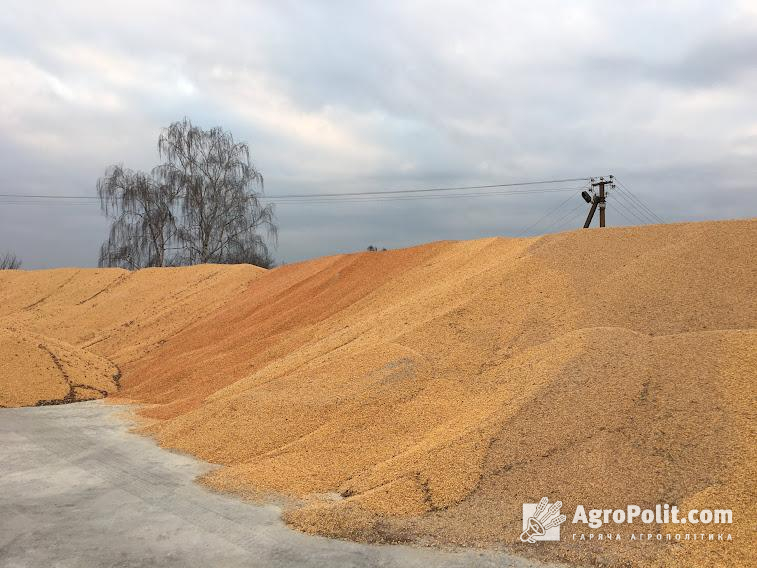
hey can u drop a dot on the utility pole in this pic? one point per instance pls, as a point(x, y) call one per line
point(597, 200)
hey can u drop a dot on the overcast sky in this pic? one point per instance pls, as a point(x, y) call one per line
point(364, 96)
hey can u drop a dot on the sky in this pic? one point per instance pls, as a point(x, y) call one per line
point(351, 96)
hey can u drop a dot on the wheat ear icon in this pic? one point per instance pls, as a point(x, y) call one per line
point(542, 520)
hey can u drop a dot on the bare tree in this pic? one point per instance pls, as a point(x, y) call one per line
point(9, 261)
point(143, 223)
point(222, 214)
point(202, 204)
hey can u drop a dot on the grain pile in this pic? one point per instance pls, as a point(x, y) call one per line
point(424, 394)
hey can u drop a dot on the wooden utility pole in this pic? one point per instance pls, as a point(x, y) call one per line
point(602, 203)
point(597, 200)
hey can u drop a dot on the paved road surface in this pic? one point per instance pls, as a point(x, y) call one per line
point(77, 490)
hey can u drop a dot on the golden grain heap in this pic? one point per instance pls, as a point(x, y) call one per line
point(424, 394)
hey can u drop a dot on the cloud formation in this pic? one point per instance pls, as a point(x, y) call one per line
point(345, 96)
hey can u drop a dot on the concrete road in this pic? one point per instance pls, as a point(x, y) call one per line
point(78, 490)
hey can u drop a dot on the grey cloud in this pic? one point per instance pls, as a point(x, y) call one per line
point(345, 96)
point(713, 63)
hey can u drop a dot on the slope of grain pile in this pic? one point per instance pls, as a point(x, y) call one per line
point(65, 333)
point(438, 388)
point(425, 394)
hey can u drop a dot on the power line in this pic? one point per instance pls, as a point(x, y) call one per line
point(628, 200)
point(336, 195)
point(547, 214)
point(644, 206)
point(372, 198)
point(427, 190)
point(630, 221)
point(623, 206)
point(49, 196)
point(558, 224)
point(515, 188)
point(637, 211)
point(550, 212)
point(327, 200)
point(46, 203)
